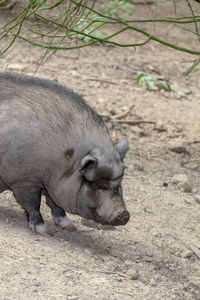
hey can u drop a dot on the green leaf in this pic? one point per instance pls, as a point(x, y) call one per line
point(127, 134)
point(149, 79)
point(163, 85)
point(122, 9)
point(152, 81)
point(139, 76)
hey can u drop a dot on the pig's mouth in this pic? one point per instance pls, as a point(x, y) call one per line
point(97, 218)
point(121, 219)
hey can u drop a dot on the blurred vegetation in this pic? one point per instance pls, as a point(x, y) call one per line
point(71, 24)
point(151, 82)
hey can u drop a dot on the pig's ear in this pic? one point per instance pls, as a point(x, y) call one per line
point(122, 147)
point(87, 163)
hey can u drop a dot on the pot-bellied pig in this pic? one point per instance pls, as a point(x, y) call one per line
point(53, 143)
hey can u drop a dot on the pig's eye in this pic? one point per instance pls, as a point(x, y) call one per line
point(94, 186)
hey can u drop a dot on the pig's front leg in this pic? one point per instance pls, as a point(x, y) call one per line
point(29, 198)
point(59, 215)
point(3, 186)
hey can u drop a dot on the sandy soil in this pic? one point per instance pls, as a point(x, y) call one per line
point(156, 255)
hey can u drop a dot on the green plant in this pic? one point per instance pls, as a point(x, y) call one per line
point(119, 8)
point(127, 134)
point(163, 85)
point(54, 25)
point(88, 28)
point(151, 82)
point(147, 79)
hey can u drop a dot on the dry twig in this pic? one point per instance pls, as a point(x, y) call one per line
point(117, 118)
point(136, 122)
point(101, 80)
point(124, 114)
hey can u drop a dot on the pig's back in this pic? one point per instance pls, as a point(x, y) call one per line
point(24, 99)
point(38, 95)
point(34, 109)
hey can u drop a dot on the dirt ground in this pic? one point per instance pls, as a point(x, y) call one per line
point(156, 255)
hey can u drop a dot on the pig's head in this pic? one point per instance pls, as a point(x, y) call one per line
point(100, 194)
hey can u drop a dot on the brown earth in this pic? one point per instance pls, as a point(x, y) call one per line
point(156, 255)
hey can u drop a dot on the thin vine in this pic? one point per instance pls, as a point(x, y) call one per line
point(73, 24)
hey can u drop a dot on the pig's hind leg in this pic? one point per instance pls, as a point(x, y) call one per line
point(29, 198)
point(59, 215)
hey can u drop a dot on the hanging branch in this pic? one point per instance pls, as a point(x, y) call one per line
point(72, 24)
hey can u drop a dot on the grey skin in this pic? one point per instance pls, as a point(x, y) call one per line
point(53, 143)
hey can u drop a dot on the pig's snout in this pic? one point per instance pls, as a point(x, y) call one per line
point(121, 219)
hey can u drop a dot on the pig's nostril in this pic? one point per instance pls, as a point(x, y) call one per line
point(121, 219)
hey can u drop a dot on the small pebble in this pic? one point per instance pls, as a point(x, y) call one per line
point(187, 188)
point(72, 298)
point(113, 112)
point(17, 66)
point(179, 179)
point(89, 251)
point(159, 126)
point(187, 202)
point(128, 263)
point(135, 275)
point(196, 251)
point(139, 166)
point(187, 253)
point(197, 198)
point(153, 282)
point(176, 146)
point(182, 181)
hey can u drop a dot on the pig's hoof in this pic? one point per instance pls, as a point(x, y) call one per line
point(41, 228)
point(64, 223)
point(32, 227)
